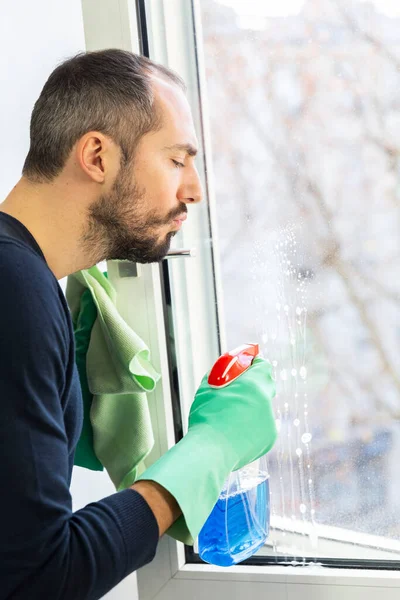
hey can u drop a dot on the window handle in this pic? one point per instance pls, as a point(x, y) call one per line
point(131, 269)
point(188, 252)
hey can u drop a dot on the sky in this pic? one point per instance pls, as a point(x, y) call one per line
point(284, 8)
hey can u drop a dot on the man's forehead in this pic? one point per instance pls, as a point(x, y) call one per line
point(178, 127)
point(169, 95)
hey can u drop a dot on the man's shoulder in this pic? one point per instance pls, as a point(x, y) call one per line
point(20, 262)
point(13, 246)
point(33, 318)
point(26, 282)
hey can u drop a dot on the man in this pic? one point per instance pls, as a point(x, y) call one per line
point(109, 175)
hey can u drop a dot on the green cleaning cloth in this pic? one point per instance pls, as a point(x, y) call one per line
point(83, 324)
point(117, 431)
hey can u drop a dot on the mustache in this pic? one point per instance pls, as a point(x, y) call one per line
point(176, 213)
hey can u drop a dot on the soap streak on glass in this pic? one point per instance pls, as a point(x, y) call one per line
point(284, 343)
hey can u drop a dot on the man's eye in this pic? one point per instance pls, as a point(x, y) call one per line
point(178, 165)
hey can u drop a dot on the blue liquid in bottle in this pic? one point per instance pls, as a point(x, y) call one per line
point(239, 523)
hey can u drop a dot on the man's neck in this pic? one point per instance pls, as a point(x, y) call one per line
point(55, 219)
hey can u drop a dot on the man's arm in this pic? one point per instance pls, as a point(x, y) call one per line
point(46, 549)
point(162, 504)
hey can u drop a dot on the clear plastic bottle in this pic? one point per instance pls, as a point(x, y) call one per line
point(239, 523)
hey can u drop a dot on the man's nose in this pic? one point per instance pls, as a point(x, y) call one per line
point(192, 191)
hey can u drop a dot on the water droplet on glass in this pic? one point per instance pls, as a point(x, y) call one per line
point(306, 438)
point(303, 509)
point(278, 306)
point(274, 363)
point(284, 375)
point(286, 309)
point(303, 372)
point(298, 310)
point(278, 424)
point(292, 341)
point(264, 338)
point(296, 422)
point(294, 372)
point(299, 451)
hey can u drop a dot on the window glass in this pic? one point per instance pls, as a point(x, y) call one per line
point(304, 112)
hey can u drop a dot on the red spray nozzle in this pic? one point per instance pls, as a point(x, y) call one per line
point(230, 365)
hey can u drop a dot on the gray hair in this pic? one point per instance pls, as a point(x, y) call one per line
point(107, 91)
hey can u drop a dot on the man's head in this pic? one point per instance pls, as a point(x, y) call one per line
point(119, 125)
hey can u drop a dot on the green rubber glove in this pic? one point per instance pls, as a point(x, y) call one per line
point(228, 428)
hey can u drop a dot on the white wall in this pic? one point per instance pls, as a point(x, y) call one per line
point(34, 36)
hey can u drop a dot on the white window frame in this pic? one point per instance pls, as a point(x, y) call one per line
point(169, 576)
point(140, 299)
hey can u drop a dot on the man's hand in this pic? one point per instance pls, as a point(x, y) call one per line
point(163, 505)
point(229, 427)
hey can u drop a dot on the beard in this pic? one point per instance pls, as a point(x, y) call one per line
point(120, 228)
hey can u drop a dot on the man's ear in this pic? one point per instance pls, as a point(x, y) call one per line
point(92, 153)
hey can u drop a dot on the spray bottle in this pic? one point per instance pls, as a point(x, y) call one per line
point(239, 523)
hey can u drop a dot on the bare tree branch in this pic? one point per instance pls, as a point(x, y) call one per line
point(337, 373)
point(300, 178)
point(374, 41)
point(378, 287)
point(335, 259)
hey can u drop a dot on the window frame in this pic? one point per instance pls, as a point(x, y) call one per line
point(177, 571)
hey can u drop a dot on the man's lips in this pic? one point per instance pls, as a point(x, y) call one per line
point(181, 218)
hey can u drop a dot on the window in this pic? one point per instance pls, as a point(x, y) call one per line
point(306, 181)
point(306, 184)
point(302, 223)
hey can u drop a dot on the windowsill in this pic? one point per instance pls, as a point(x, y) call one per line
point(310, 574)
point(329, 542)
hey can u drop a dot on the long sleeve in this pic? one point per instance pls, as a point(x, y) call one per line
point(46, 550)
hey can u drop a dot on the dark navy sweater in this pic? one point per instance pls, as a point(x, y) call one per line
point(46, 550)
